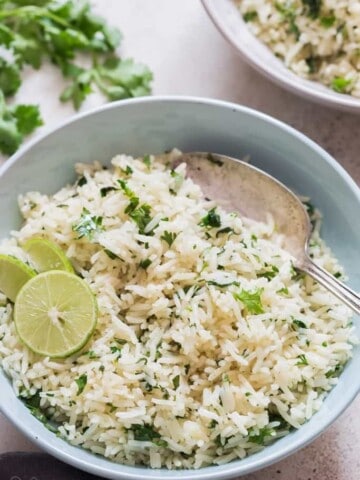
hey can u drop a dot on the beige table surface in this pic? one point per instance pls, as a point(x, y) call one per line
point(189, 57)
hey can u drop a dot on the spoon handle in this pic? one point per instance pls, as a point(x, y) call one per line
point(342, 291)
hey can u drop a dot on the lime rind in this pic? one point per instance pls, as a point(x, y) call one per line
point(13, 275)
point(59, 334)
point(46, 255)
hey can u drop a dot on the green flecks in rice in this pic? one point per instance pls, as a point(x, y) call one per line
point(316, 39)
point(209, 345)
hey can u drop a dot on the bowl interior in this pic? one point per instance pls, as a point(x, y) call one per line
point(229, 21)
point(152, 126)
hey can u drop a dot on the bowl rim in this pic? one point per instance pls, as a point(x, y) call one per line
point(108, 469)
point(327, 97)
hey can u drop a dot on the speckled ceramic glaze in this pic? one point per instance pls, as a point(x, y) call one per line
point(230, 23)
point(152, 125)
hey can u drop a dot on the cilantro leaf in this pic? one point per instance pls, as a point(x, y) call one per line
point(302, 360)
point(88, 225)
point(212, 219)
point(340, 84)
point(251, 300)
point(10, 80)
point(81, 383)
point(259, 437)
point(27, 117)
point(144, 433)
point(169, 237)
point(119, 79)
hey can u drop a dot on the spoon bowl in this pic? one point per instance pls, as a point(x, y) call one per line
point(255, 194)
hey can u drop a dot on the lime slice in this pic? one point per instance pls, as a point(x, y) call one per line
point(55, 313)
point(46, 255)
point(13, 275)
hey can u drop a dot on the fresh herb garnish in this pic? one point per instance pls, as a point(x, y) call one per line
point(57, 31)
point(81, 383)
point(147, 161)
point(105, 190)
point(313, 7)
point(111, 254)
point(145, 263)
point(250, 16)
point(261, 436)
point(88, 225)
point(224, 230)
point(33, 404)
point(302, 360)
point(334, 372)
point(269, 274)
point(289, 14)
point(169, 237)
point(283, 291)
point(328, 21)
point(145, 433)
point(16, 122)
point(178, 181)
point(211, 219)
point(341, 84)
point(251, 300)
point(176, 382)
point(299, 323)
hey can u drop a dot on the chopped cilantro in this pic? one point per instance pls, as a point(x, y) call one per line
point(337, 274)
point(302, 360)
point(33, 404)
point(261, 436)
point(251, 300)
point(283, 291)
point(187, 368)
point(145, 433)
point(341, 84)
point(147, 161)
point(269, 274)
point(145, 263)
point(142, 217)
point(313, 7)
point(169, 237)
point(299, 323)
point(250, 16)
point(211, 219)
point(213, 423)
point(328, 21)
point(334, 372)
point(117, 350)
point(111, 254)
point(88, 225)
point(81, 383)
point(105, 190)
point(81, 181)
point(289, 15)
point(178, 181)
point(313, 64)
point(224, 230)
point(176, 382)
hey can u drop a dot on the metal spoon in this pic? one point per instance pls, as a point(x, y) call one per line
point(236, 185)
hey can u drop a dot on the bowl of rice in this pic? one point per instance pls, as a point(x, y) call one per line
point(308, 47)
point(211, 357)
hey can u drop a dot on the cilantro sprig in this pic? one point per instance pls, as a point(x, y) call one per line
point(32, 32)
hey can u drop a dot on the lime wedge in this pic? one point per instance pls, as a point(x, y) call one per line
point(13, 275)
point(55, 313)
point(46, 255)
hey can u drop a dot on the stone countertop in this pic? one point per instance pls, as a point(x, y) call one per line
point(189, 57)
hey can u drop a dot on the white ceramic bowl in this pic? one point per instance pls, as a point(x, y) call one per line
point(228, 20)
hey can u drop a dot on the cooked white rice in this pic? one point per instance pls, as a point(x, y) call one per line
point(181, 370)
point(317, 39)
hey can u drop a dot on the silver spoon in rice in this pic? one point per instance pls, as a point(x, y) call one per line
point(255, 194)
